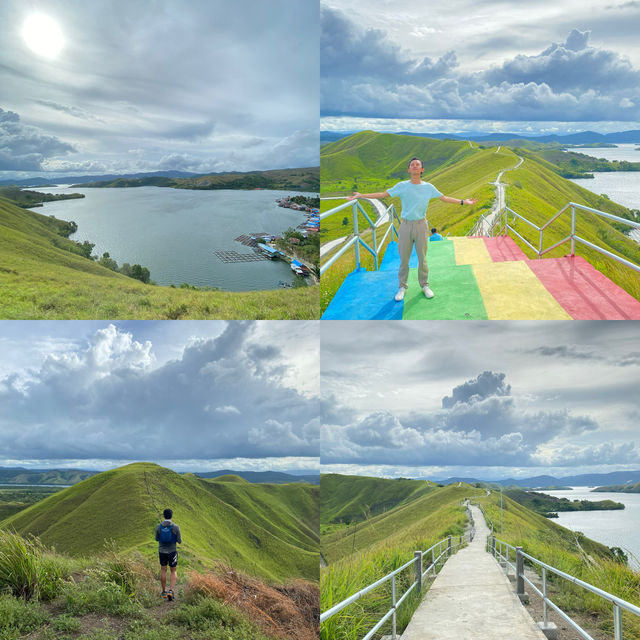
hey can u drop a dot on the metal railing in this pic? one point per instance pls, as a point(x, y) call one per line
point(500, 551)
point(504, 227)
point(356, 238)
point(450, 545)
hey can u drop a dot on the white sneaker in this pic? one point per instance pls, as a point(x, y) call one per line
point(400, 295)
point(427, 292)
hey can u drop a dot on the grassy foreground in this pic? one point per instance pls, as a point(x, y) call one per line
point(43, 276)
point(115, 596)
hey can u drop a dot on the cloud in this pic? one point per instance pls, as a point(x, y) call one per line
point(480, 423)
point(25, 148)
point(109, 398)
point(485, 385)
point(365, 74)
point(76, 112)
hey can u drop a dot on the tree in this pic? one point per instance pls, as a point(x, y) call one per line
point(140, 273)
point(108, 262)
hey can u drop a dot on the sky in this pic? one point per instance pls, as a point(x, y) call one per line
point(192, 396)
point(490, 400)
point(119, 86)
point(551, 66)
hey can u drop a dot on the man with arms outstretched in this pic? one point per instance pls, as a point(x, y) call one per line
point(414, 195)
point(167, 535)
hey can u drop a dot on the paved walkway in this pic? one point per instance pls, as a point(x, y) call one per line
point(472, 599)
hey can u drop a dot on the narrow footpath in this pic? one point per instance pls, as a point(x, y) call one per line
point(472, 599)
point(500, 201)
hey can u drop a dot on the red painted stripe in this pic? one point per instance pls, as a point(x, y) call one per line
point(503, 249)
point(584, 292)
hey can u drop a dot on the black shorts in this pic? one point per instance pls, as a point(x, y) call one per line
point(170, 559)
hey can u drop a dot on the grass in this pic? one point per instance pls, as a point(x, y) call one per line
point(93, 603)
point(269, 531)
point(42, 276)
point(365, 551)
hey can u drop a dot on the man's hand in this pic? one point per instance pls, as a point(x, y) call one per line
point(354, 196)
point(471, 201)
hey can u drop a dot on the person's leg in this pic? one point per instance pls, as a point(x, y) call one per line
point(163, 577)
point(405, 245)
point(421, 242)
point(174, 575)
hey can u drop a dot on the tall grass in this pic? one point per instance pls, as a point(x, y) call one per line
point(26, 570)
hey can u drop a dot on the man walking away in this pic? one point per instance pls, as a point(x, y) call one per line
point(414, 195)
point(167, 536)
point(434, 235)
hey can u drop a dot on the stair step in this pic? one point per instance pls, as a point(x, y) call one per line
point(583, 291)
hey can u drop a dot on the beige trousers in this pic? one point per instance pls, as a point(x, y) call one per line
point(413, 232)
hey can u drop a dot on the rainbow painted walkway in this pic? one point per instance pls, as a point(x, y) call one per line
point(483, 279)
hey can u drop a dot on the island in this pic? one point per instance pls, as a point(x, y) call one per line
point(549, 506)
point(620, 488)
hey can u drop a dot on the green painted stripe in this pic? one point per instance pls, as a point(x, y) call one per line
point(457, 296)
point(441, 254)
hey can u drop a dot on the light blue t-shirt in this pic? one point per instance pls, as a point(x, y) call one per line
point(435, 236)
point(414, 198)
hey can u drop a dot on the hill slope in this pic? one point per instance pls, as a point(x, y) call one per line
point(267, 530)
point(43, 275)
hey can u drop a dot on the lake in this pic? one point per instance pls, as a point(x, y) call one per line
point(613, 528)
point(174, 232)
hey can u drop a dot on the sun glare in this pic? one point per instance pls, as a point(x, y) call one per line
point(42, 35)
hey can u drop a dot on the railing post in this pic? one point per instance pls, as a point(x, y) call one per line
point(433, 560)
point(540, 233)
point(520, 592)
point(544, 595)
point(417, 568)
point(573, 231)
point(507, 561)
point(449, 547)
point(617, 622)
point(393, 606)
point(356, 233)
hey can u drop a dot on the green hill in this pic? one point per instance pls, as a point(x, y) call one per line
point(45, 275)
point(353, 498)
point(545, 504)
point(269, 531)
point(18, 475)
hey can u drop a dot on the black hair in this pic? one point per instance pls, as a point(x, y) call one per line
point(415, 158)
point(168, 514)
point(434, 230)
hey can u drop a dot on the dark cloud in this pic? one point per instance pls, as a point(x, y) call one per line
point(364, 73)
point(485, 385)
point(25, 148)
point(223, 398)
point(76, 112)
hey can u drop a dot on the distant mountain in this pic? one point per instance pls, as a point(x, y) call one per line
point(583, 137)
point(84, 179)
point(18, 475)
point(273, 477)
point(268, 531)
point(582, 480)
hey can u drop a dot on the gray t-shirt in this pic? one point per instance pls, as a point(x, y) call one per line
point(168, 547)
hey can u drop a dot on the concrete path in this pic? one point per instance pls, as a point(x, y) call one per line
point(472, 599)
point(500, 200)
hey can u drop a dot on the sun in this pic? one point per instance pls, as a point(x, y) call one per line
point(43, 35)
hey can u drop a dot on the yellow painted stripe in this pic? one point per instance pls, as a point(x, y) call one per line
point(511, 291)
point(471, 251)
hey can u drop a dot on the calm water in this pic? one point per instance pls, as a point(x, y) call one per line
point(613, 528)
point(622, 187)
point(174, 232)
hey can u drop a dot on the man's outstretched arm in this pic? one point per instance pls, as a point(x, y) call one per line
point(468, 201)
point(383, 194)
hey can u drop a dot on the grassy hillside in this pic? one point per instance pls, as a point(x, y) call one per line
point(362, 552)
point(45, 476)
point(269, 531)
point(347, 499)
point(44, 276)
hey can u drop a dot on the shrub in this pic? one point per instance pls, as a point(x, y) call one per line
point(18, 618)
